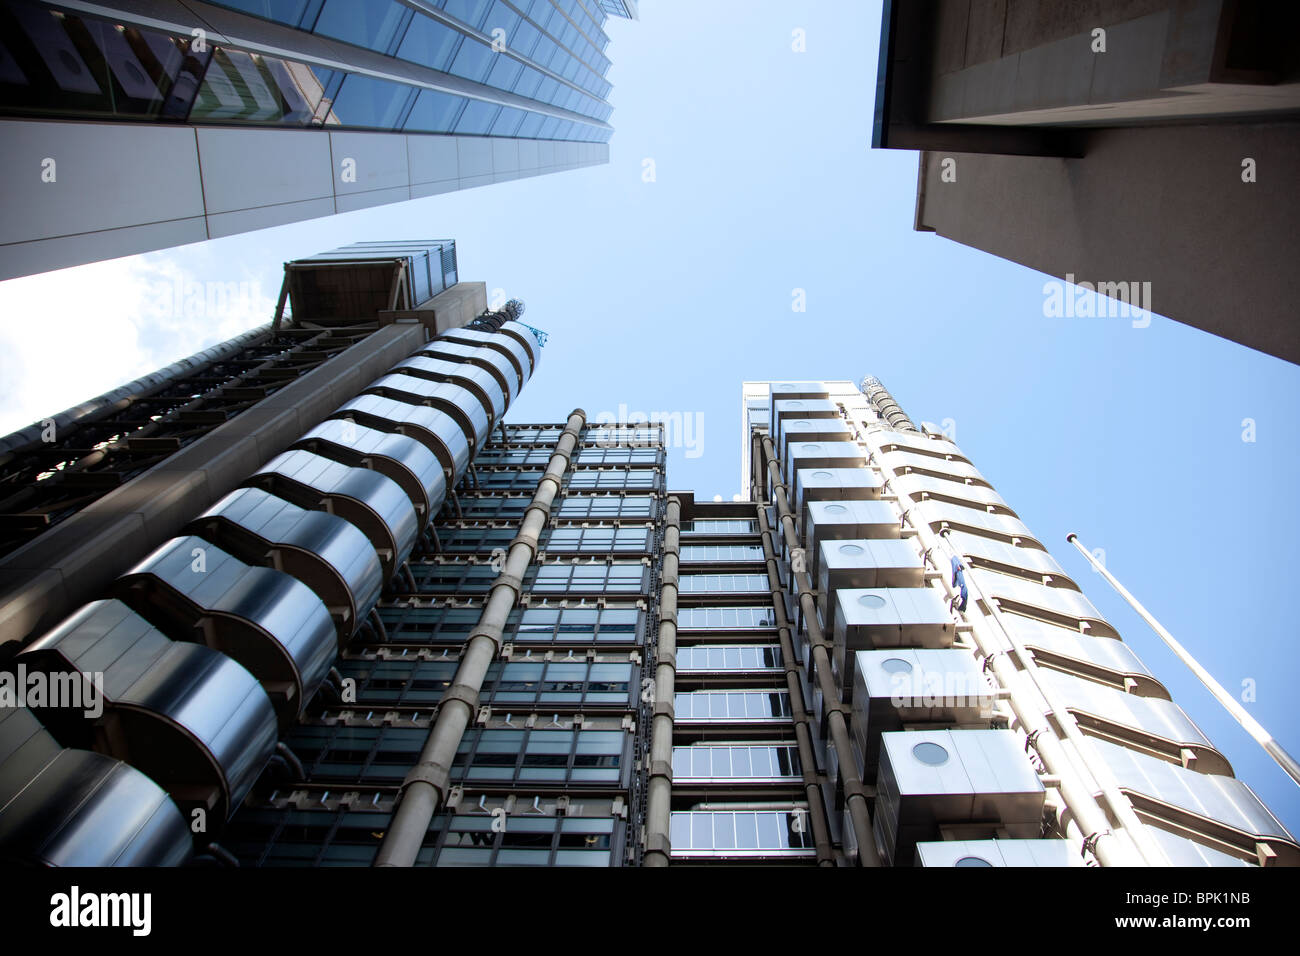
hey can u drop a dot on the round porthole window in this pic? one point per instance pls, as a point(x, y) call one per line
point(822, 474)
point(872, 601)
point(972, 861)
point(930, 754)
point(811, 447)
point(795, 403)
point(850, 549)
point(836, 509)
point(896, 665)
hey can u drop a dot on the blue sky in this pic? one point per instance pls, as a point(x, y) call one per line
point(666, 295)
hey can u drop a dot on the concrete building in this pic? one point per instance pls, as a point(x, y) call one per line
point(129, 127)
point(1148, 147)
point(308, 599)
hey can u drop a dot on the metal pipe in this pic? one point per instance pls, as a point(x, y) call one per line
point(799, 714)
point(658, 846)
point(426, 785)
point(1242, 716)
point(854, 794)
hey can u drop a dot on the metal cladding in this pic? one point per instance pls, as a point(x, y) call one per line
point(458, 402)
point(331, 556)
point(271, 623)
point(437, 430)
point(192, 719)
point(1031, 853)
point(478, 380)
point(1176, 796)
point(1053, 605)
point(63, 807)
point(375, 504)
point(399, 457)
point(1103, 659)
point(884, 404)
point(489, 360)
point(913, 687)
point(934, 778)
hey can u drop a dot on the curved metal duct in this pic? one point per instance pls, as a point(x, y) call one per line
point(271, 623)
point(1053, 605)
point(435, 429)
point(467, 375)
point(1101, 659)
point(458, 402)
point(489, 360)
point(75, 808)
point(511, 345)
point(884, 404)
point(399, 457)
point(193, 720)
point(328, 554)
point(524, 335)
point(375, 504)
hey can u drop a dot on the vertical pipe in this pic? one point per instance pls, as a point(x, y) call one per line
point(425, 787)
point(659, 800)
point(802, 722)
point(854, 793)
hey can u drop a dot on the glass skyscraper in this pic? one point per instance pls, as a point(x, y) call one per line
point(145, 128)
point(319, 605)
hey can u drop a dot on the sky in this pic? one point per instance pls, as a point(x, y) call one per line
point(664, 293)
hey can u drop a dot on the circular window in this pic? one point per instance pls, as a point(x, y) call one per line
point(822, 474)
point(930, 753)
point(810, 447)
point(836, 509)
point(972, 861)
point(896, 665)
point(872, 601)
point(850, 549)
point(794, 403)
point(802, 424)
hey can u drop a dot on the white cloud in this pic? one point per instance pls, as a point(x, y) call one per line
point(70, 335)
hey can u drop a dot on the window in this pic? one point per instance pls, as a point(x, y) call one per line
point(599, 578)
point(728, 657)
point(641, 478)
point(732, 705)
point(741, 763)
point(366, 101)
point(430, 43)
point(372, 24)
point(720, 526)
point(610, 506)
point(741, 833)
point(721, 552)
point(575, 625)
point(600, 539)
point(724, 618)
point(723, 583)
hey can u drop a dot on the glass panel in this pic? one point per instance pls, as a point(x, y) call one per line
point(371, 24)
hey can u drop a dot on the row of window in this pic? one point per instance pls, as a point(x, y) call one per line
point(731, 705)
point(723, 583)
point(269, 837)
point(755, 763)
point(573, 508)
point(728, 657)
point(720, 526)
point(721, 552)
point(602, 578)
point(601, 540)
point(82, 66)
point(534, 625)
point(582, 456)
point(640, 479)
point(420, 683)
point(384, 755)
point(741, 833)
point(724, 618)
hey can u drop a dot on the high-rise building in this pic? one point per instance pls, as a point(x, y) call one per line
point(1143, 150)
point(309, 600)
point(130, 127)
